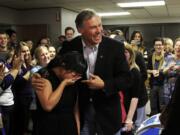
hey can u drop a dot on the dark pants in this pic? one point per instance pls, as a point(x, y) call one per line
point(91, 127)
point(21, 115)
point(7, 116)
point(156, 99)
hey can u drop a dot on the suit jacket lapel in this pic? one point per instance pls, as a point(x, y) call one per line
point(100, 57)
point(79, 45)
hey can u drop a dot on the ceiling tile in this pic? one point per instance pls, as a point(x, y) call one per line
point(160, 11)
point(139, 13)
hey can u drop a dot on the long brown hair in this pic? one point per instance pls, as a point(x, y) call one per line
point(132, 63)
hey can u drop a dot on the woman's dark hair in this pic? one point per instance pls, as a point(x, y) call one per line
point(70, 61)
point(134, 33)
point(138, 43)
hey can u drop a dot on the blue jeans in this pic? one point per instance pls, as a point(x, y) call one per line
point(141, 116)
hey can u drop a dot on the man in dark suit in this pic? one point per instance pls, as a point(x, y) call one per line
point(107, 74)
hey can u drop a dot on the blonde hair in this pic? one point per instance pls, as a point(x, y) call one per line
point(38, 51)
point(24, 44)
point(168, 43)
point(177, 39)
point(132, 63)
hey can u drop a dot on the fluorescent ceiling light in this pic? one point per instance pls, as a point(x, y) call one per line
point(141, 4)
point(114, 14)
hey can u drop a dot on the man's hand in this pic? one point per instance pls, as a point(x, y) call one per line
point(95, 82)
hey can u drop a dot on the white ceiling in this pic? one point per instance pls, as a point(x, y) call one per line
point(171, 9)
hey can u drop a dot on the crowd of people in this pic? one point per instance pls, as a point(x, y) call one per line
point(92, 84)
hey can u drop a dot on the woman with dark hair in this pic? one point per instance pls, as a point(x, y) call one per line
point(57, 111)
point(138, 42)
point(137, 35)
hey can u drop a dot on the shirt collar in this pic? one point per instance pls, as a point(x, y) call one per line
point(86, 46)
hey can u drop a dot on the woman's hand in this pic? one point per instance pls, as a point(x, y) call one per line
point(2, 68)
point(70, 78)
point(155, 73)
point(38, 82)
point(17, 62)
point(129, 125)
point(70, 81)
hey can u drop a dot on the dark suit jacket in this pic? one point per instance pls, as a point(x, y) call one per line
point(112, 67)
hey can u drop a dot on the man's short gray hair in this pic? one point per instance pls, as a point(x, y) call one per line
point(84, 15)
